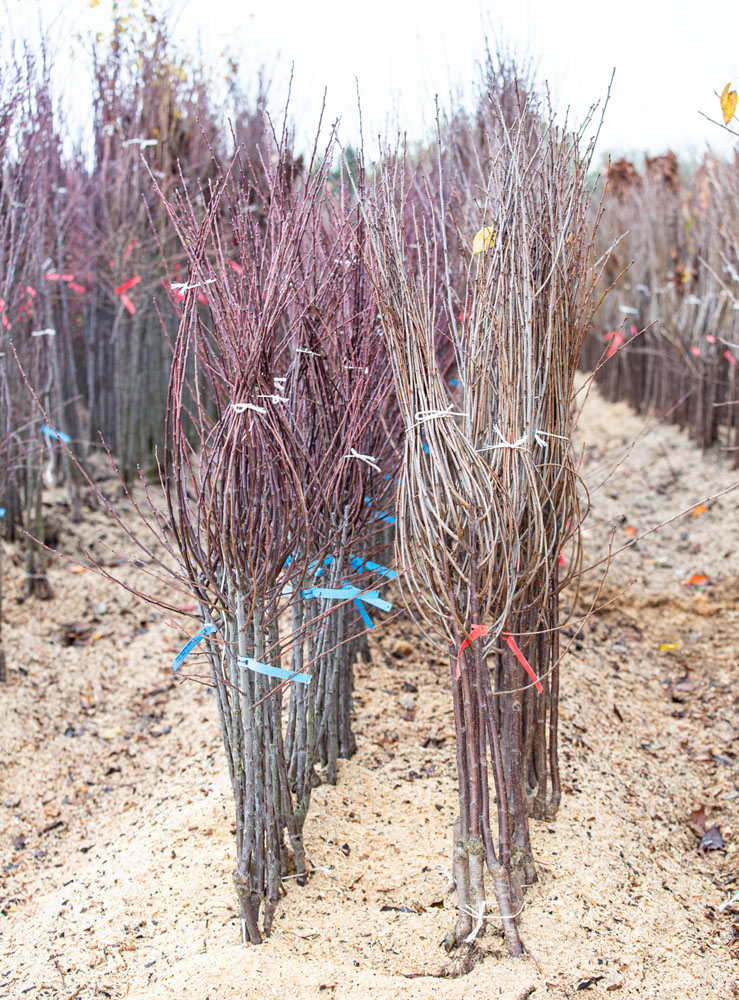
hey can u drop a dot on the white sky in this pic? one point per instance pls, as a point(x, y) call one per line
point(670, 59)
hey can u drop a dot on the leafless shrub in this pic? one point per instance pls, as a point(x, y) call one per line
point(488, 495)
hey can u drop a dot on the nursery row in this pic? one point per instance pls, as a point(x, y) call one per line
point(336, 378)
point(670, 327)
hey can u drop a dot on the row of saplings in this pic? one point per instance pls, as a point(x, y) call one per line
point(375, 383)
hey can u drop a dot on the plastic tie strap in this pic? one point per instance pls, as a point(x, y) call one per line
point(57, 435)
point(513, 645)
point(240, 407)
point(475, 632)
point(189, 646)
point(369, 459)
point(479, 630)
point(347, 593)
point(373, 567)
point(269, 671)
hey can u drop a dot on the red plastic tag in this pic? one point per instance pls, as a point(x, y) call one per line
point(127, 285)
point(523, 661)
point(475, 632)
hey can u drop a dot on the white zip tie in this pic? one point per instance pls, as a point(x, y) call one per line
point(304, 350)
point(140, 142)
point(693, 300)
point(369, 459)
point(274, 397)
point(543, 444)
point(520, 444)
point(628, 310)
point(280, 381)
point(48, 332)
point(478, 923)
point(423, 415)
point(179, 286)
point(240, 407)
point(643, 288)
point(548, 434)
point(320, 868)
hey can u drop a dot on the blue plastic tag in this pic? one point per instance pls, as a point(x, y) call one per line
point(58, 435)
point(190, 645)
point(270, 671)
point(347, 593)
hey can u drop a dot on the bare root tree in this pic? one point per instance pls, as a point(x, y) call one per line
point(488, 494)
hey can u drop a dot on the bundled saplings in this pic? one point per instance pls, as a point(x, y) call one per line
point(672, 243)
point(277, 444)
point(487, 496)
point(30, 172)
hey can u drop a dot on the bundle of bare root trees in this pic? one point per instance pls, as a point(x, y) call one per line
point(281, 451)
point(499, 257)
point(667, 338)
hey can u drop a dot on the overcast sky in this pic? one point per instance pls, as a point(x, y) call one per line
point(669, 59)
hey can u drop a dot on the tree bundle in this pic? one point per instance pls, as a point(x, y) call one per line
point(666, 338)
point(488, 498)
point(280, 452)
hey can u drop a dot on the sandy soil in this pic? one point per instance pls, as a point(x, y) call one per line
point(116, 819)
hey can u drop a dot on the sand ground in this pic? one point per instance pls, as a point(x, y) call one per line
point(116, 818)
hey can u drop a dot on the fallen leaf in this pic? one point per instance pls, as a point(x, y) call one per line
point(191, 606)
point(401, 649)
point(76, 569)
point(109, 734)
point(630, 530)
point(670, 645)
point(697, 580)
point(484, 239)
point(700, 509)
point(697, 821)
point(711, 841)
point(728, 103)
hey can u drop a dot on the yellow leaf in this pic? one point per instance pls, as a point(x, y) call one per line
point(483, 240)
point(728, 103)
point(94, 3)
point(669, 645)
